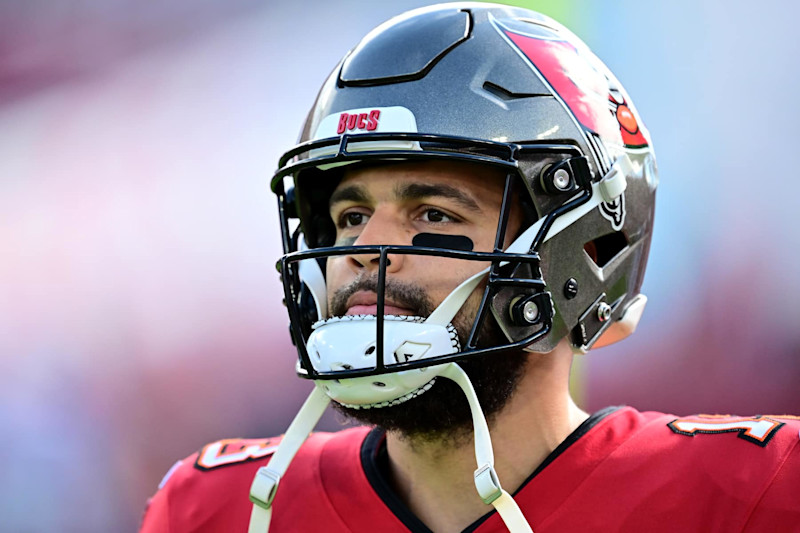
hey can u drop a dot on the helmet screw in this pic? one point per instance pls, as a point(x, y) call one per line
point(603, 312)
point(530, 311)
point(571, 288)
point(525, 311)
point(561, 180)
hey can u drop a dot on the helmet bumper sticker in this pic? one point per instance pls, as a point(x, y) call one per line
point(394, 119)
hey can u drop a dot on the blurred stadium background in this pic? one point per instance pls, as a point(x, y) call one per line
point(140, 312)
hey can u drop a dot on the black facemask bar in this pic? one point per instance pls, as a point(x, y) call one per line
point(504, 155)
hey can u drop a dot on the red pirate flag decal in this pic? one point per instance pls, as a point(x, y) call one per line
point(585, 89)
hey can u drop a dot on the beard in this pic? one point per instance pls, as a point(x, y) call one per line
point(442, 413)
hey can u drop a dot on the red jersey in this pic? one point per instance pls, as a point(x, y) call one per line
point(621, 470)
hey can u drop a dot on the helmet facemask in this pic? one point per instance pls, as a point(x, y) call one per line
point(513, 293)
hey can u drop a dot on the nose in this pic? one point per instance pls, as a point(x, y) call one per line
point(380, 229)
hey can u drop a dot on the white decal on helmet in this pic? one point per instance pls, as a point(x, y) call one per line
point(613, 186)
point(395, 119)
point(614, 212)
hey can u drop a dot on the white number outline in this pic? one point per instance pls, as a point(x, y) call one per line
point(758, 430)
point(218, 454)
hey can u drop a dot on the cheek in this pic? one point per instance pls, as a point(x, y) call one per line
point(439, 276)
point(485, 236)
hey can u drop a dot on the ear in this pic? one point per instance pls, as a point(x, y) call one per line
point(626, 324)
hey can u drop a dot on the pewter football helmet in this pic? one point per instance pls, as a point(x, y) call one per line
point(492, 85)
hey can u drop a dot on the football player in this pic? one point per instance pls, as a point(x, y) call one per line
point(471, 205)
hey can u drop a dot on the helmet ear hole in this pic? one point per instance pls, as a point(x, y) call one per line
point(591, 250)
point(603, 250)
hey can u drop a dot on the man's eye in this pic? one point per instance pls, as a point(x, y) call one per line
point(352, 219)
point(435, 216)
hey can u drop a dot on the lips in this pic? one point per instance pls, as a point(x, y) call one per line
point(366, 303)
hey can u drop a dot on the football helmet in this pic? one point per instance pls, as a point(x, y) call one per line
point(500, 86)
point(485, 84)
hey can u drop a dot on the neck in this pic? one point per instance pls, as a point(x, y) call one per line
point(435, 477)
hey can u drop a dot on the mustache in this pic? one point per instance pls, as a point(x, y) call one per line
point(403, 294)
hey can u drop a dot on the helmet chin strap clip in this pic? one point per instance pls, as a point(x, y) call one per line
point(486, 480)
point(265, 483)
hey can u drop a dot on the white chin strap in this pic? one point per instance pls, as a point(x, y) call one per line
point(486, 481)
point(265, 484)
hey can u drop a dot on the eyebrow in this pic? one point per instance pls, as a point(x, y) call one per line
point(350, 193)
point(410, 191)
point(416, 191)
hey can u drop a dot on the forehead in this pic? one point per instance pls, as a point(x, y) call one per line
point(483, 182)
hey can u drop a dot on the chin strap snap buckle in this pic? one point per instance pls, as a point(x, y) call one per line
point(488, 484)
point(264, 487)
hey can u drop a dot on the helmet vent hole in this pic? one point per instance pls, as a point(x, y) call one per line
point(370, 350)
point(603, 250)
point(379, 383)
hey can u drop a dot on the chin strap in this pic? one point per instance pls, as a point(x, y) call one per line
point(486, 481)
point(265, 484)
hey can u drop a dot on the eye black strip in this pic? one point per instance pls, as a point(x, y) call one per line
point(448, 242)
